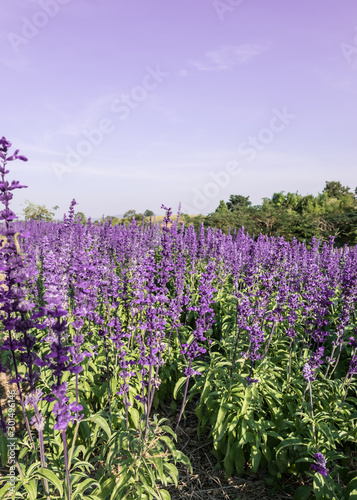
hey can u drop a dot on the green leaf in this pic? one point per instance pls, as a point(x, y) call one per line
point(99, 420)
point(282, 461)
point(33, 467)
point(287, 443)
point(255, 457)
point(31, 488)
point(206, 390)
point(168, 443)
point(239, 460)
point(122, 481)
point(103, 390)
point(351, 486)
point(266, 452)
point(53, 479)
point(83, 486)
point(303, 493)
point(105, 488)
point(274, 434)
point(135, 416)
point(4, 490)
point(228, 461)
point(113, 385)
point(247, 437)
point(217, 429)
point(247, 400)
point(165, 495)
point(168, 429)
point(327, 432)
point(3, 450)
point(84, 431)
point(173, 472)
point(181, 457)
point(178, 385)
point(158, 462)
point(321, 489)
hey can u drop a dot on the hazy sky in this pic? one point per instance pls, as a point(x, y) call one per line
point(128, 104)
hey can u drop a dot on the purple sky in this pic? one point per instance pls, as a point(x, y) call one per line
point(131, 104)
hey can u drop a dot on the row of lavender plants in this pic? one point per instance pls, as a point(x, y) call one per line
point(102, 325)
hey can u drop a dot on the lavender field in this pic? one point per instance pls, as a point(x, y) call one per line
point(102, 325)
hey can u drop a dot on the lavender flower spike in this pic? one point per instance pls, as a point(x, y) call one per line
point(320, 466)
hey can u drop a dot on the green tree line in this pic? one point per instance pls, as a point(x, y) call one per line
point(333, 212)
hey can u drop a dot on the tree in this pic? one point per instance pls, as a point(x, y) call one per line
point(278, 199)
point(237, 201)
point(130, 214)
point(82, 217)
point(194, 220)
point(148, 213)
point(37, 212)
point(222, 207)
point(334, 189)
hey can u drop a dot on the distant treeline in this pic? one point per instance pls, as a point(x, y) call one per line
point(291, 215)
point(333, 212)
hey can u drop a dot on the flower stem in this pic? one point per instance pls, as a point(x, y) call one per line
point(65, 453)
point(184, 398)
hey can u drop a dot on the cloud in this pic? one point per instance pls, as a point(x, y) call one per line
point(330, 80)
point(228, 56)
point(71, 123)
point(19, 64)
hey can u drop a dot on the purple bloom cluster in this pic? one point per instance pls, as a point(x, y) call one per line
point(320, 466)
point(308, 372)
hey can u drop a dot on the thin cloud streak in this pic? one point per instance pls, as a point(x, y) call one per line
point(227, 57)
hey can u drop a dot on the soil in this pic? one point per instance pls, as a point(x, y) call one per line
point(206, 482)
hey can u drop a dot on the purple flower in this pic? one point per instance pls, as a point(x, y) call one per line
point(308, 373)
point(353, 342)
point(320, 466)
point(251, 381)
point(4, 144)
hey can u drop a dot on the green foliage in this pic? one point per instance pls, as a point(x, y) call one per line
point(193, 220)
point(130, 214)
point(37, 212)
point(331, 213)
point(268, 425)
point(82, 217)
point(334, 189)
point(237, 202)
point(222, 207)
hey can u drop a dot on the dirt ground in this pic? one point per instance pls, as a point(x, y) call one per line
point(206, 482)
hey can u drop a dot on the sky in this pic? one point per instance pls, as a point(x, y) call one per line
point(133, 104)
